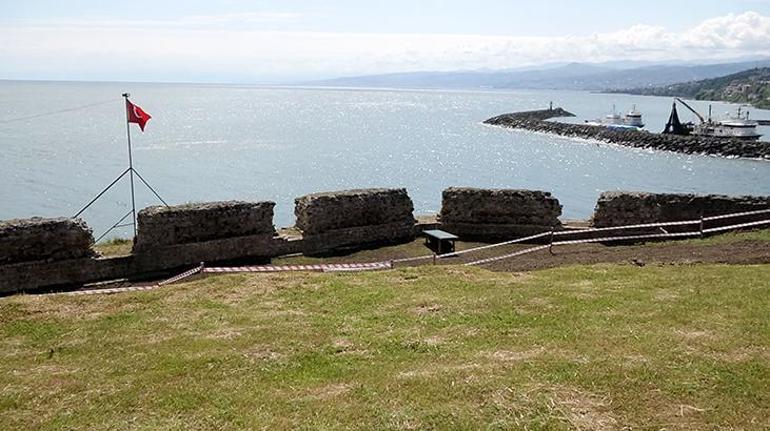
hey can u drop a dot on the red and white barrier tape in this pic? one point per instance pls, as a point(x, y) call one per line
point(747, 213)
point(664, 224)
point(182, 276)
point(633, 226)
point(485, 247)
point(610, 228)
point(174, 279)
point(627, 237)
point(507, 256)
point(413, 259)
point(341, 267)
point(736, 226)
point(290, 268)
point(474, 249)
point(373, 266)
point(376, 266)
point(109, 290)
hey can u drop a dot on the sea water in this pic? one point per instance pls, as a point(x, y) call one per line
point(61, 143)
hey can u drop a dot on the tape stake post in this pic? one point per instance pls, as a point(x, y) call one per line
point(700, 227)
point(550, 245)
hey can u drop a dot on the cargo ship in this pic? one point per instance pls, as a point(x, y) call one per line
point(631, 120)
point(737, 126)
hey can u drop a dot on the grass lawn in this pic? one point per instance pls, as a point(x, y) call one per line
point(446, 347)
point(114, 247)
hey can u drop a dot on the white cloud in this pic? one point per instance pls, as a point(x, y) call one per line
point(232, 48)
point(246, 17)
point(748, 31)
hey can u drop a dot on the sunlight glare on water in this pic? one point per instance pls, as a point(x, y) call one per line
point(211, 142)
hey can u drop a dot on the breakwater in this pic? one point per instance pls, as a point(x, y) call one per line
point(536, 121)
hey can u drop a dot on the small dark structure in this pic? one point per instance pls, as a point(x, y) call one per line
point(674, 126)
point(439, 241)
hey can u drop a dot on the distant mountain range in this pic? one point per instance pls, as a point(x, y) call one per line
point(751, 86)
point(573, 76)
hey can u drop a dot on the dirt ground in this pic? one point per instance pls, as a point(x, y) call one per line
point(742, 248)
point(741, 252)
point(737, 249)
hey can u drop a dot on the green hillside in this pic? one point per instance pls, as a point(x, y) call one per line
point(750, 86)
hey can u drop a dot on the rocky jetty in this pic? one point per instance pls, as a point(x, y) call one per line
point(536, 121)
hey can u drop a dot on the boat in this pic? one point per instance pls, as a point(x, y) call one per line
point(631, 120)
point(733, 127)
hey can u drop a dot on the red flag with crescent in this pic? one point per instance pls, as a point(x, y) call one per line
point(137, 115)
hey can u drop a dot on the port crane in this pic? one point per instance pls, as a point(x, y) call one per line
point(700, 117)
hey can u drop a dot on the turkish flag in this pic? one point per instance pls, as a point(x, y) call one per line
point(136, 115)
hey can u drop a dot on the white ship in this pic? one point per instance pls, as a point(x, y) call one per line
point(631, 120)
point(733, 127)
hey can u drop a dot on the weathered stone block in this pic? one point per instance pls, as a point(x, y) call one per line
point(35, 239)
point(498, 213)
point(321, 212)
point(629, 208)
point(29, 276)
point(34, 275)
point(353, 218)
point(357, 237)
point(262, 246)
point(191, 223)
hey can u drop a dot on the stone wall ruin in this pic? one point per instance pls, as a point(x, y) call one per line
point(492, 214)
point(38, 252)
point(630, 208)
point(354, 218)
point(44, 239)
point(161, 226)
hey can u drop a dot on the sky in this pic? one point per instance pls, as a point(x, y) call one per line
point(289, 40)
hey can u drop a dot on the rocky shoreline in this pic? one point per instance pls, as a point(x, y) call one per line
point(536, 121)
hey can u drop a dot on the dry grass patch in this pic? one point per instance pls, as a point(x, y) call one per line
point(326, 392)
point(694, 334)
point(441, 370)
point(426, 309)
point(583, 410)
point(429, 348)
point(509, 356)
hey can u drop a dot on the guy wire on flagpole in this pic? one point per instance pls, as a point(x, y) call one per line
point(131, 171)
point(101, 193)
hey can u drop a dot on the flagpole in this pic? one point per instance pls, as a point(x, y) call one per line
point(130, 165)
point(141, 120)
